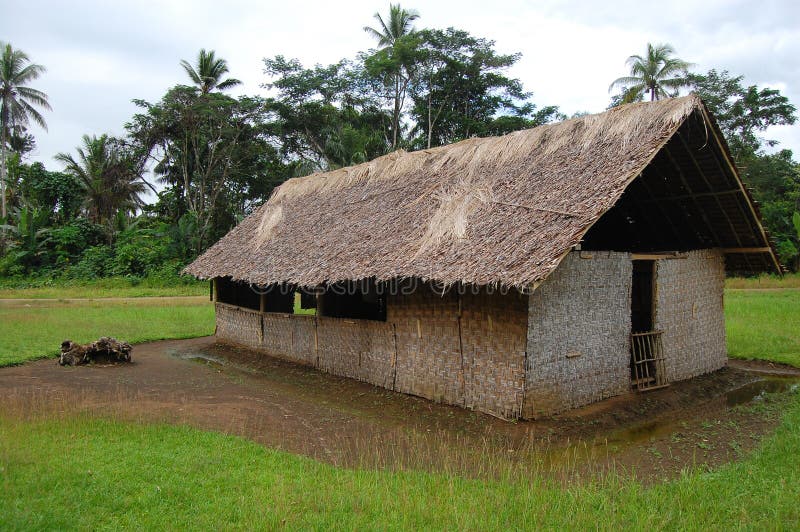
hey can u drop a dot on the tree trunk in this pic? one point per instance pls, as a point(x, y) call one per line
point(396, 117)
point(3, 171)
point(430, 125)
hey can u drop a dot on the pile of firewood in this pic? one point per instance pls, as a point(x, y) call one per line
point(104, 350)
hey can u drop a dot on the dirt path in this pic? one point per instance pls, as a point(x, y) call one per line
point(283, 405)
point(157, 301)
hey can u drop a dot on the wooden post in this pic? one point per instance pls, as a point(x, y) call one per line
point(214, 290)
point(262, 302)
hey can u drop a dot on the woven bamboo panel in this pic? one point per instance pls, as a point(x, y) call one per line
point(428, 356)
point(359, 349)
point(493, 335)
point(689, 310)
point(468, 353)
point(290, 336)
point(238, 325)
point(578, 334)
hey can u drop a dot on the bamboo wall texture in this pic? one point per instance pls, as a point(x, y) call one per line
point(510, 355)
point(466, 350)
point(579, 322)
point(689, 309)
point(473, 357)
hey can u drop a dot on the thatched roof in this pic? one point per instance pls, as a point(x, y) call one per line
point(502, 210)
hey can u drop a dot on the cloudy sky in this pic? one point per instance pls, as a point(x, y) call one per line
point(102, 54)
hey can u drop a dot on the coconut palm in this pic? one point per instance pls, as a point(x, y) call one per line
point(658, 74)
point(18, 101)
point(208, 71)
point(399, 24)
point(108, 176)
point(396, 62)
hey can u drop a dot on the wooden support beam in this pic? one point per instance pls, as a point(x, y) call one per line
point(667, 218)
point(214, 290)
point(765, 249)
point(716, 198)
point(697, 205)
point(658, 255)
point(262, 302)
point(722, 210)
point(691, 196)
point(735, 174)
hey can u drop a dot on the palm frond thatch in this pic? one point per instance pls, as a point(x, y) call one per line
point(501, 210)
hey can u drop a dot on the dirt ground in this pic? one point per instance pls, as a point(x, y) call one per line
point(702, 423)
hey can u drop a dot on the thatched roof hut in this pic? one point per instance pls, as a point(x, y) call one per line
point(612, 231)
point(496, 210)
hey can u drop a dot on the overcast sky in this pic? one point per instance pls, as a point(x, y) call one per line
point(102, 54)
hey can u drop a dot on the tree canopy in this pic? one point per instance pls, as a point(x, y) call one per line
point(207, 72)
point(196, 160)
point(18, 103)
point(657, 74)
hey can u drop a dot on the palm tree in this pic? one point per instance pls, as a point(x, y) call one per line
point(108, 176)
point(18, 102)
point(208, 72)
point(399, 25)
point(389, 33)
point(658, 74)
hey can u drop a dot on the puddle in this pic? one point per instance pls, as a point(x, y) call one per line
point(644, 432)
point(199, 358)
point(757, 389)
point(753, 391)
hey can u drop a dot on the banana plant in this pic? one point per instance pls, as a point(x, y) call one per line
point(29, 235)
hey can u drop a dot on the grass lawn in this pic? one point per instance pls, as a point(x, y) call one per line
point(789, 280)
point(82, 472)
point(764, 324)
point(101, 289)
point(101, 474)
point(35, 332)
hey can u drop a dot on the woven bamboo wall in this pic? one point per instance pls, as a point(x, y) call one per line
point(578, 333)
point(493, 333)
point(689, 309)
point(510, 355)
point(239, 325)
point(469, 353)
point(428, 354)
point(290, 336)
point(466, 350)
point(359, 349)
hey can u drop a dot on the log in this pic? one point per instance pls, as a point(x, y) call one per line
point(108, 350)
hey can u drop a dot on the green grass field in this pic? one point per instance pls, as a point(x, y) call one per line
point(764, 281)
point(764, 324)
point(81, 472)
point(105, 289)
point(99, 474)
point(32, 332)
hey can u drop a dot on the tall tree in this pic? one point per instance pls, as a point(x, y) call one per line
point(18, 102)
point(658, 74)
point(208, 71)
point(212, 151)
point(742, 112)
point(398, 25)
point(108, 176)
point(328, 116)
point(393, 61)
point(461, 90)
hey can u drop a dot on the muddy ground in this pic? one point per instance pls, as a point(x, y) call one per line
point(701, 423)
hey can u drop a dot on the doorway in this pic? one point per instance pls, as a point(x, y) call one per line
point(642, 296)
point(647, 352)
